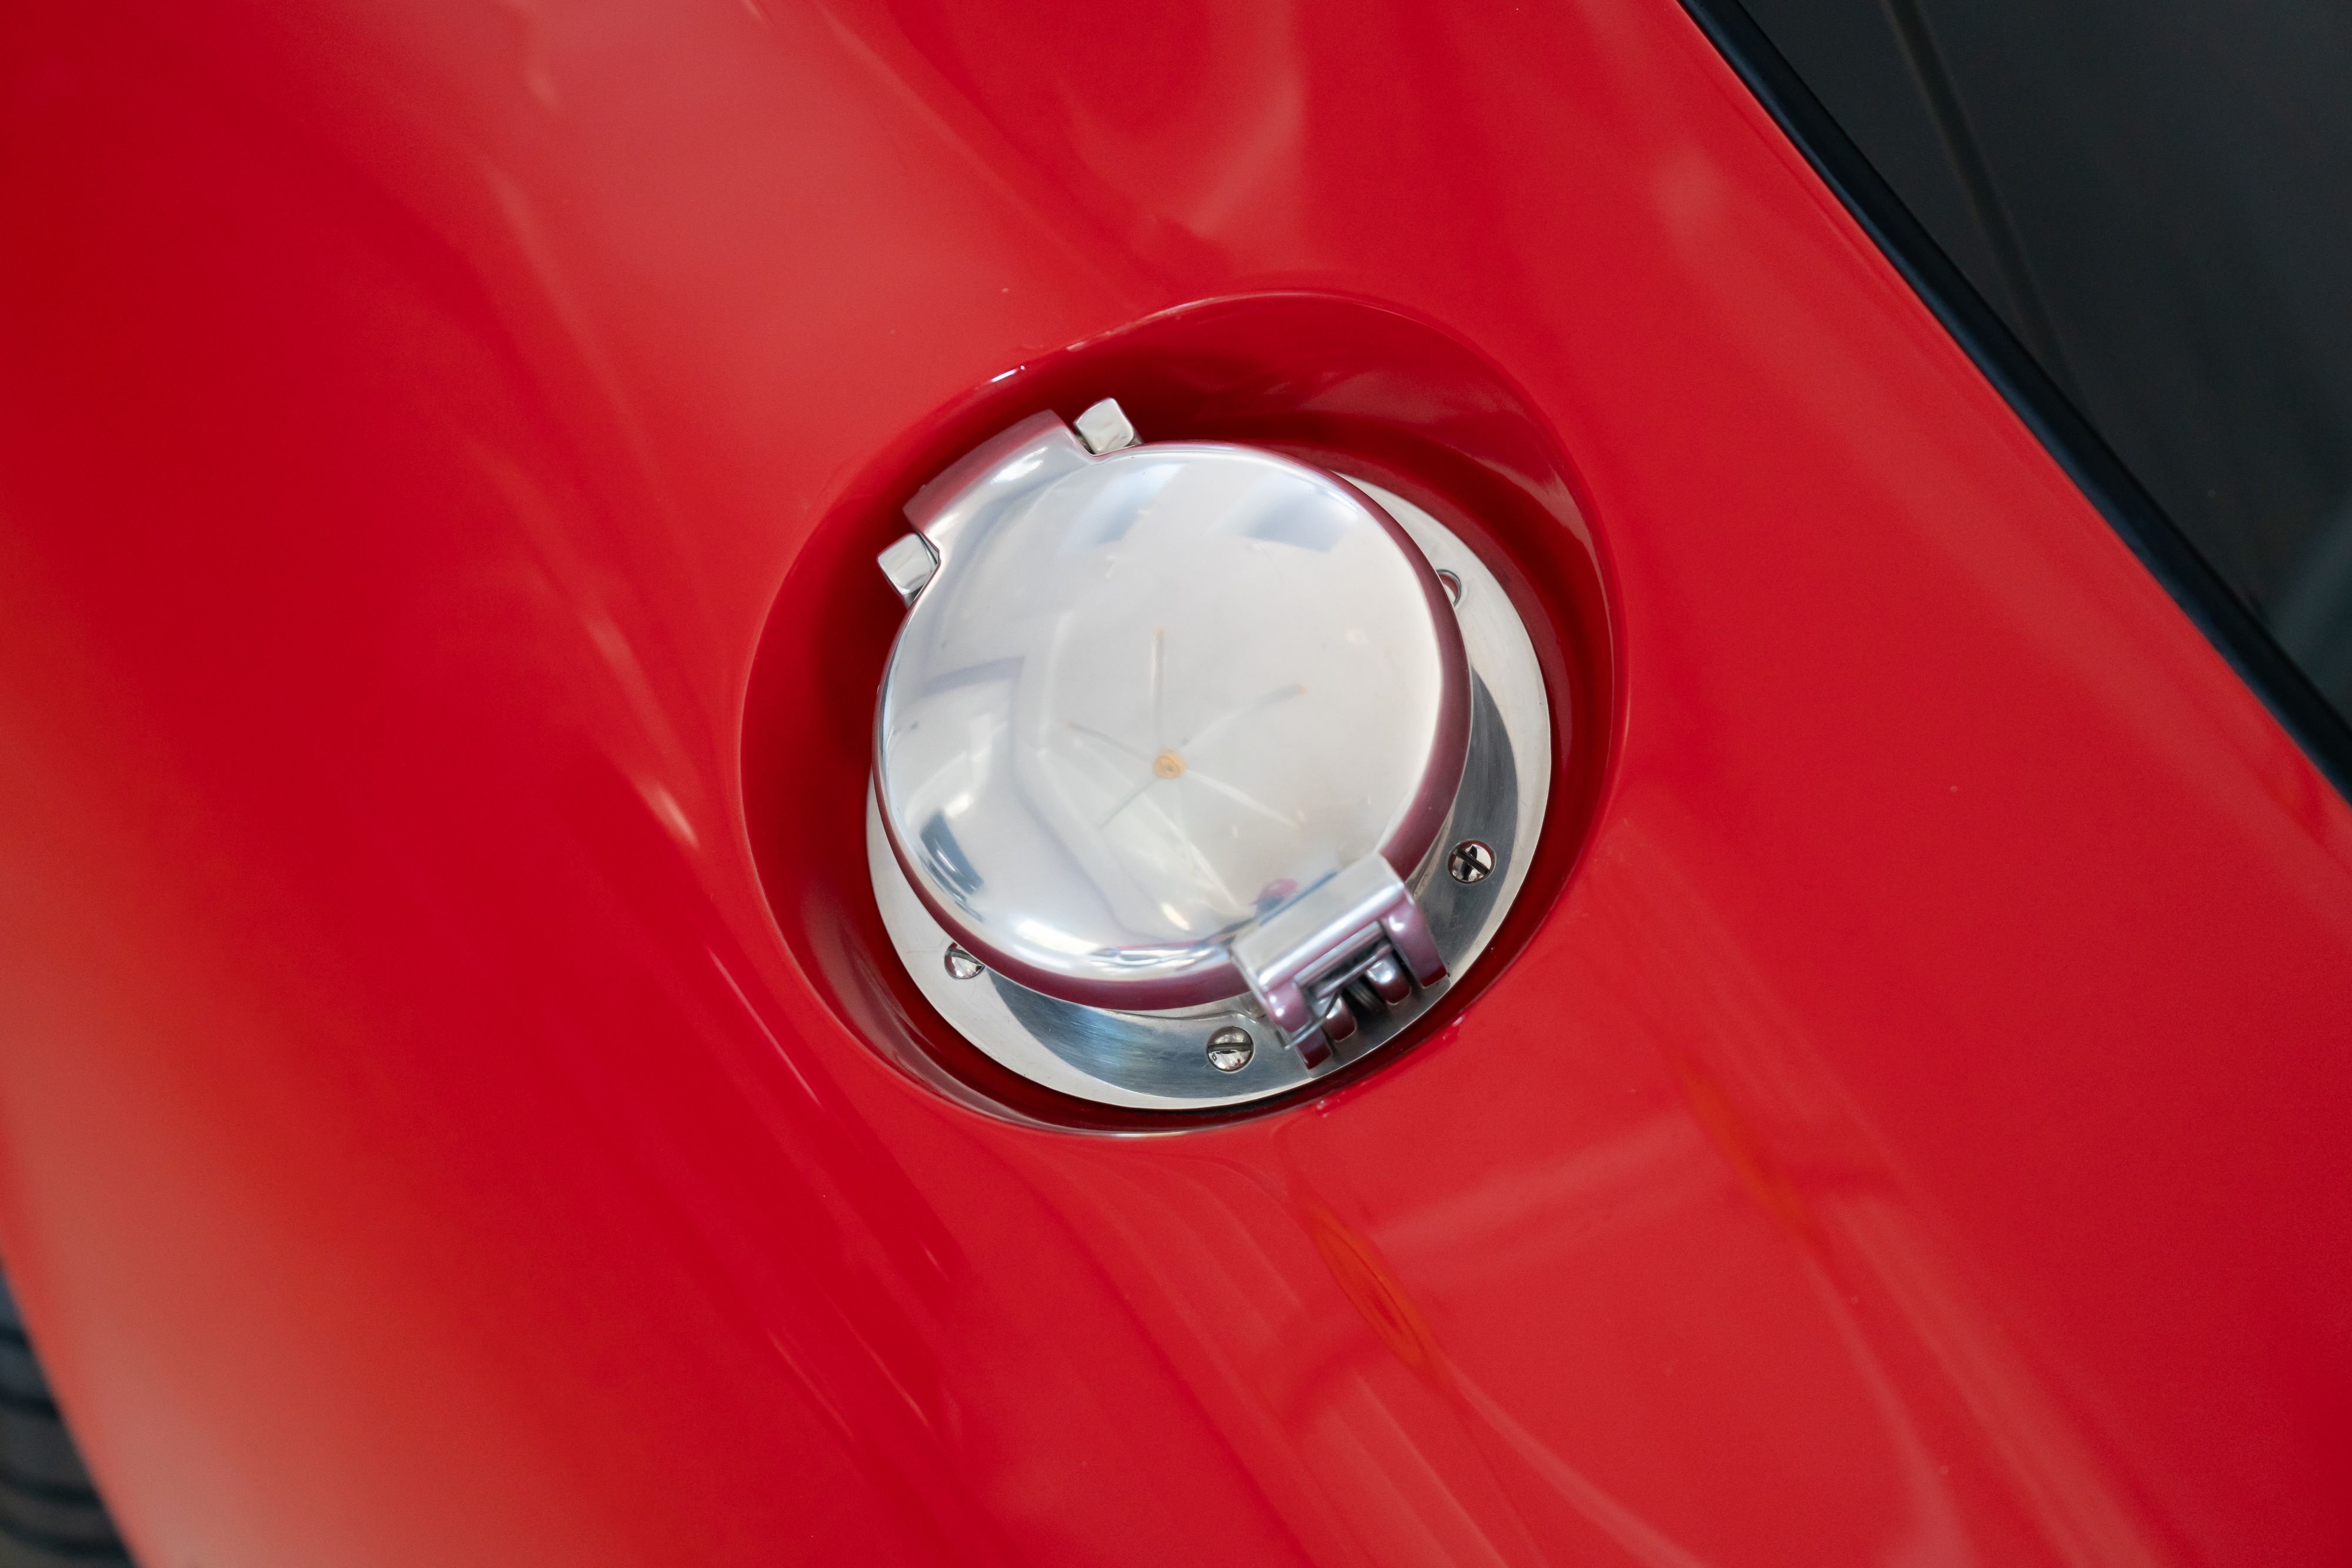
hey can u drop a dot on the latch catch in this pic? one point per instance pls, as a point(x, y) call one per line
point(1357, 941)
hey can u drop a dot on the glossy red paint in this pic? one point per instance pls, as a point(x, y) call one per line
point(1910, 1132)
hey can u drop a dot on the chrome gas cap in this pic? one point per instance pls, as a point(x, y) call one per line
point(1170, 758)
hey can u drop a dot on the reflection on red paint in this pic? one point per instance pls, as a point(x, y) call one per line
point(446, 1112)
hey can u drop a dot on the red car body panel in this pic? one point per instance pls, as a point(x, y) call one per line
point(1909, 1126)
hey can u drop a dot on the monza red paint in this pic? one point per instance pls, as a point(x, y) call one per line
point(1907, 1126)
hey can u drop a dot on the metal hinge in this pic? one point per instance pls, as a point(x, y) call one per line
point(1356, 942)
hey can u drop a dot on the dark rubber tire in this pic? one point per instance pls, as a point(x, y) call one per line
point(50, 1514)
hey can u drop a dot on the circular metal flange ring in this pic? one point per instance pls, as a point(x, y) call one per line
point(1162, 1059)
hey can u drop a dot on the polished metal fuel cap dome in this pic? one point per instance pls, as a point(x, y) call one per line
point(1165, 761)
